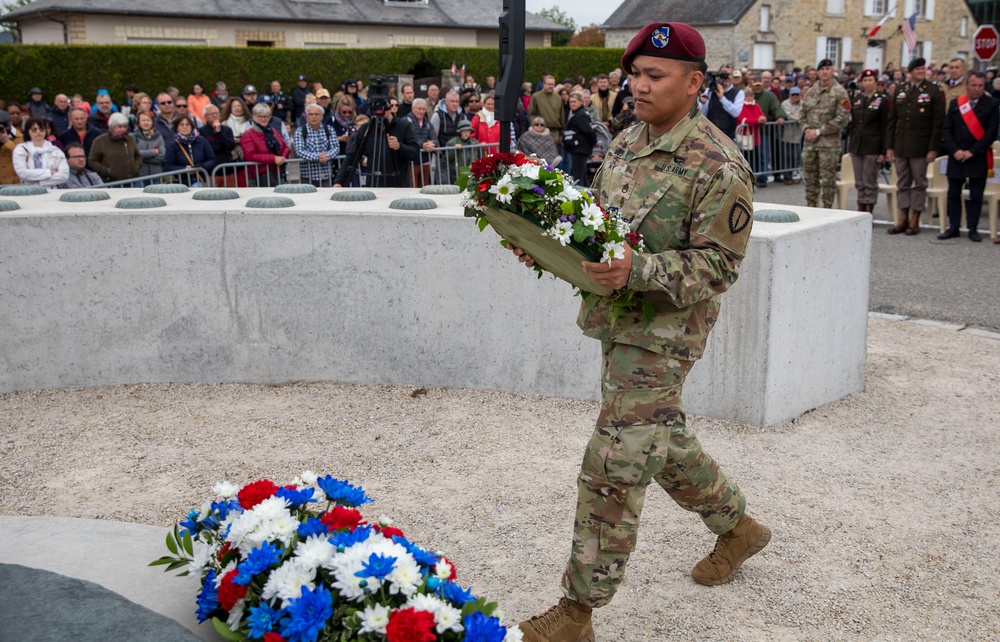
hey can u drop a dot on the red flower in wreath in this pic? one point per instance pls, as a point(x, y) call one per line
point(253, 494)
point(485, 166)
point(388, 531)
point(454, 574)
point(340, 517)
point(410, 625)
point(229, 593)
point(273, 637)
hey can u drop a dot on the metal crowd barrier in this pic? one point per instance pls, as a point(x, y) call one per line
point(196, 174)
point(777, 150)
point(441, 166)
point(251, 174)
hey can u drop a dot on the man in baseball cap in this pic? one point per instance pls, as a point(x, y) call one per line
point(653, 176)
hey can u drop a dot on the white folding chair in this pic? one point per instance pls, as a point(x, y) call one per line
point(846, 181)
point(890, 194)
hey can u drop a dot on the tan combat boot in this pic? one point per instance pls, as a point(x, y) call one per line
point(567, 621)
point(900, 225)
point(914, 227)
point(731, 550)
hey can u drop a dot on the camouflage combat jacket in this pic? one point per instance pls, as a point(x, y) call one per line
point(689, 194)
point(827, 109)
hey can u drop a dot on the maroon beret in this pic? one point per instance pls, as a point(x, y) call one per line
point(666, 40)
point(868, 73)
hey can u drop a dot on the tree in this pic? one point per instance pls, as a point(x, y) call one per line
point(589, 36)
point(555, 14)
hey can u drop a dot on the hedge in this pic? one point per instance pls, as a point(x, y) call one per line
point(84, 69)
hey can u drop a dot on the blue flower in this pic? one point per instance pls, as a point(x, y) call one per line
point(263, 619)
point(348, 539)
point(455, 593)
point(191, 523)
point(341, 492)
point(296, 497)
point(433, 583)
point(479, 628)
point(307, 615)
point(377, 566)
point(208, 598)
point(312, 526)
point(424, 558)
point(224, 508)
point(538, 190)
point(259, 560)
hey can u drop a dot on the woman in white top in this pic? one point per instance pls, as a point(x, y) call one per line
point(37, 161)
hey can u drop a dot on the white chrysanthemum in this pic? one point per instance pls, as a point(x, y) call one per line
point(286, 581)
point(445, 615)
point(284, 528)
point(315, 551)
point(225, 490)
point(384, 520)
point(442, 570)
point(405, 577)
point(613, 251)
point(591, 216)
point(569, 194)
point(374, 619)
point(272, 508)
point(528, 170)
point(514, 634)
point(466, 200)
point(309, 477)
point(206, 510)
point(236, 615)
point(562, 232)
point(503, 190)
point(202, 555)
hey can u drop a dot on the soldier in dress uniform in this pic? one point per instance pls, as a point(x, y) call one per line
point(913, 136)
point(869, 115)
point(687, 190)
point(826, 110)
point(969, 131)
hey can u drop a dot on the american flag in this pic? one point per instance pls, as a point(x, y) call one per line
point(910, 32)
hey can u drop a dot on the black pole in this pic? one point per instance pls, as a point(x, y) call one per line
point(511, 67)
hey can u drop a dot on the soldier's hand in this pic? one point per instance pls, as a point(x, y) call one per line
point(931, 155)
point(522, 256)
point(612, 275)
point(890, 155)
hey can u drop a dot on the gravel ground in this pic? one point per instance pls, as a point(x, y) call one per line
point(881, 504)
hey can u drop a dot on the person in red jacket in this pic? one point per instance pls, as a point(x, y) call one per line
point(485, 126)
point(262, 144)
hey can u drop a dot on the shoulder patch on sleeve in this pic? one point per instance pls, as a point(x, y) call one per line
point(730, 227)
point(846, 104)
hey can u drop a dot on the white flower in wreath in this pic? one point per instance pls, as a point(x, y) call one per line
point(503, 190)
point(613, 251)
point(528, 170)
point(514, 634)
point(562, 232)
point(591, 216)
point(374, 619)
point(570, 194)
point(225, 490)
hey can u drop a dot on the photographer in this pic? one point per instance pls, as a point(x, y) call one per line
point(387, 151)
point(722, 101)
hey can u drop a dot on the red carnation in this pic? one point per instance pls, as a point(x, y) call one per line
point(253, 494)
point(273, 637)
point(222, 553)
point(340, 517)
point(454, 573)
point(484, 186)
point(229, 593)
point(484, 166)
point(388, 531)
point(410, 625)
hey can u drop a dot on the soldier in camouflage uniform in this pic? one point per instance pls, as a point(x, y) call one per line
point(686, 188)
point(825, 111)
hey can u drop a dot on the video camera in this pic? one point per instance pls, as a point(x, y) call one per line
point(716, 79)
point(378, 93)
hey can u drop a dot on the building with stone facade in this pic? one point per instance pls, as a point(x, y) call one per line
point(271, 23)
point(770, 34)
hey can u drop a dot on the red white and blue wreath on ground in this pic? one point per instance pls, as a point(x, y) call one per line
point(299, 563)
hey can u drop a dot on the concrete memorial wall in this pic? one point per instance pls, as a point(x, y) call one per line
point(216, 291)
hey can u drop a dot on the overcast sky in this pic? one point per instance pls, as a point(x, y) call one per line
point(584, 12)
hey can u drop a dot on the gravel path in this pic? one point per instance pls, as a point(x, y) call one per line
point(882, 504)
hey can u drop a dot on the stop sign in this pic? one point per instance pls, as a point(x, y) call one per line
point(984, 42)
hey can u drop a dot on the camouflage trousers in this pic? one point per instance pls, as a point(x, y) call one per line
point(641, 436)
point(819, 167)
